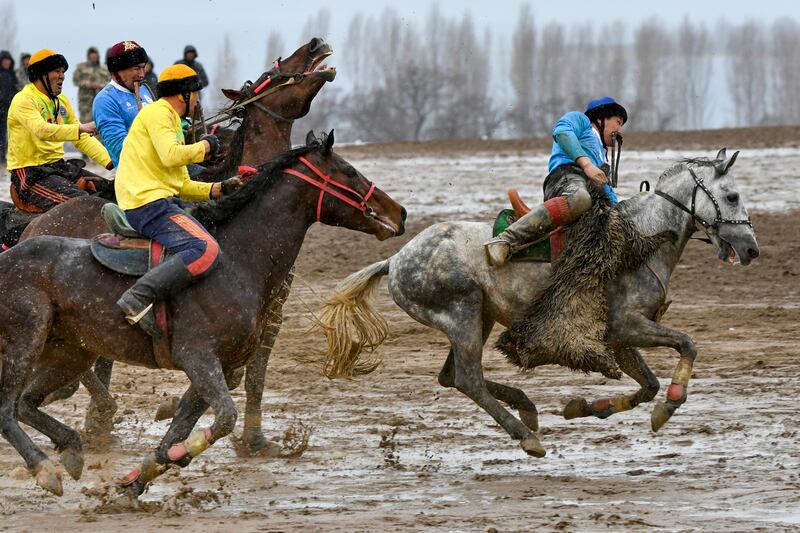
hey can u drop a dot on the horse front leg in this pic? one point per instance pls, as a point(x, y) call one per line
point(631, 362)
point(209, 387)
point(253, 440)
point(639, 331)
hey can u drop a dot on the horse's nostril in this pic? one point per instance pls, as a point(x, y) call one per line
point(403, 213)
point(315, 44)
point(752, 253)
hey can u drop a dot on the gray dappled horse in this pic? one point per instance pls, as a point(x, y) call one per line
point(442, 279)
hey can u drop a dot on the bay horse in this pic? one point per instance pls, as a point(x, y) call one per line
point(442, 279)
point(58, 313)
point(265, 132)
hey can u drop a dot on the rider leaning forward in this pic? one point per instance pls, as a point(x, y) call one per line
point(579, 152)
point(40, 120)
point(151, 176)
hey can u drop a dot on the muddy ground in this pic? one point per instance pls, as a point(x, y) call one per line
point(394, 451)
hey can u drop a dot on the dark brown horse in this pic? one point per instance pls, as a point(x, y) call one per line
point(288, 90)
point(57, 314)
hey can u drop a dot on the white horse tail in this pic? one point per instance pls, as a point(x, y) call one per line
point(352, 324)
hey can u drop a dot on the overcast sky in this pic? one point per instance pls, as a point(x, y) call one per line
point(164, 27)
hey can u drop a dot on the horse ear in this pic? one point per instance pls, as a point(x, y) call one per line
point(310, 138)
point(721, 155)
point(233, 94)
point(329, 142)
point(730, 162)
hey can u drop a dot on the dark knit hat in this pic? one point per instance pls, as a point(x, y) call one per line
point(125, 54)
point(45, 61)
point(178, 79)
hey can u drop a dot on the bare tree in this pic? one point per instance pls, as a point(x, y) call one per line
point(611, 73)
point(316, 25)
point(785, 51)
point(8, 35)
point(693, 75)
point(274, 49)
point(523, 49)
point(225, 75)
point(550, 82)
point(747, 73)
point(652, 50)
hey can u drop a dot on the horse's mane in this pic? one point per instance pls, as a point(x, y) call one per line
point(216, 213)
point(685, 163)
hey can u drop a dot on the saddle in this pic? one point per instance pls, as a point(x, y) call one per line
point(545, 250)
point(126, 252)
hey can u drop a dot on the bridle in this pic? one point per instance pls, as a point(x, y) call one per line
point(329, 185)
point(253, 95)
point(718, 220)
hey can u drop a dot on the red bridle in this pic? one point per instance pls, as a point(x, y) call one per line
point(326, 186)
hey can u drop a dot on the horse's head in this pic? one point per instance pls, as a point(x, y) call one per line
point(720, 210)
point(341, 196)
point(292, 83)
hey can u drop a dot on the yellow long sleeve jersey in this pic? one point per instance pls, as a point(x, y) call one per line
point(153, 161)
point(37, 131)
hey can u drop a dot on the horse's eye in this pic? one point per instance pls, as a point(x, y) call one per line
point(732, 197)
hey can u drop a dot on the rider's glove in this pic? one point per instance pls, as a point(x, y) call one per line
point(230, 185)
point(214, 142)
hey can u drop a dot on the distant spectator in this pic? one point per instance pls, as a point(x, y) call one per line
point(190, 60)
point(150, 76)
point(22, 70)
point(8, 88)
point(89, 77)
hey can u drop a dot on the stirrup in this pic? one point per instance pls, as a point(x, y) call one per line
point(493, 255)
point(136, 318)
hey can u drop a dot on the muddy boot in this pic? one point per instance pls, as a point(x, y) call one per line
point(542, 219)
point(165, 280)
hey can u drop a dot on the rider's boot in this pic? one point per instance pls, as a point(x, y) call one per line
point(165, 280)
point(542, 219)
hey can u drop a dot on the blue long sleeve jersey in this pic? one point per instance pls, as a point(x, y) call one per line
point(114, 109)
point(573, 137)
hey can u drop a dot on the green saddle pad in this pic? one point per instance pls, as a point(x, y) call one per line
point(538, 251)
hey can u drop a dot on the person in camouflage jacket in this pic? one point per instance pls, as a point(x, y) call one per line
point(22, 70)
point(89, 77)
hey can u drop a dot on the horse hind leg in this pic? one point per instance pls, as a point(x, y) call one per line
point(19, 354)
point(253, 440)
point(632, 363)
point(99, 420)
point(512, 396)
point(467, 349)
point(57, 366)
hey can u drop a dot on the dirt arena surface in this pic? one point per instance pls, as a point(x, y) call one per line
point(395, 451)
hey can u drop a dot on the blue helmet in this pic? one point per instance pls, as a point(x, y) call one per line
point(605, 107)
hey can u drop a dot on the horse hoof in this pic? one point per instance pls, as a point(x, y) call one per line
point(255, 445)
point(72, 461)
point(530, 419)
point(48, 477)
point(661, 413)
point(167, 408)
point(576, 408)
point(532, 446)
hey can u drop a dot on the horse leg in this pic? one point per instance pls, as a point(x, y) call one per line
point(639, 331)
point(190, 408)
point(467, 349)
point(253, 436)
point(631, 362)
point(20, 353)
point(57, 366)
point(512, 396)
point(99, 421)
point(209, 388)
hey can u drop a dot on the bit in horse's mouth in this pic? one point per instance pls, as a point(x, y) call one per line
point(318, 65)
point(732, 257)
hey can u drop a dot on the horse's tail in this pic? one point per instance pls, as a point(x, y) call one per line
point(352, 324)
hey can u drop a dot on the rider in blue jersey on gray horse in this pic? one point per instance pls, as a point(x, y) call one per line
point(580, 142)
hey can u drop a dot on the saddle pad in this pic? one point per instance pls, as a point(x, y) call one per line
point(126, 256)
point(537, 252)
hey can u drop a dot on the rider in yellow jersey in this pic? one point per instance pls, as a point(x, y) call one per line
point(40, 120)
point(151, 179)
